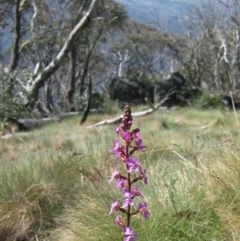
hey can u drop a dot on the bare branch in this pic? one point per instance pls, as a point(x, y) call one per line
point(34, 15)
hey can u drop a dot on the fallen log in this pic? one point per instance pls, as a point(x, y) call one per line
point(27, 124)
point(118, 119)
point(32, 123)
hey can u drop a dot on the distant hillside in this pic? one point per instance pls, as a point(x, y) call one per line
point(164, 14)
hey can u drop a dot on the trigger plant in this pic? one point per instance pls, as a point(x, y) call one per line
point(124, 149)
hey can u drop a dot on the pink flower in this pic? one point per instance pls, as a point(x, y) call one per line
point(118, 130)
point(142, 208)
point(115, 175)
point(116, 149)
point(138, 143)
point(121, 184)
point(132, 164)
point(126, 136)
point(130, 235)
point(136, 192)
point(135, 133)
point(119, 221)
point(129, 199)
point(115, 206)
point(127, 202)
point(142, 174)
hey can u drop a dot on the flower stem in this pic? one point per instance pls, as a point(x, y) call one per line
point(129, 187)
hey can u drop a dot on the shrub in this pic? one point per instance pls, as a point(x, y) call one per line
point(207, 100)
point(12, 99)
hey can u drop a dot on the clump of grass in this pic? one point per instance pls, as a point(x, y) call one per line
point(32, 193)
point(223, 177)
point(110, 106)
point(49, 172)
point(88, 219)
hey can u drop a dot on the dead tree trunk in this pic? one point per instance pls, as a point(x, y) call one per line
point(87, 110)
point(15, 49)
point(49, 99)
point(72, 79)
point(16, 40)
point(85, 70)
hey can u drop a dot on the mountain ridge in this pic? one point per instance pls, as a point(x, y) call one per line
point(165, 15)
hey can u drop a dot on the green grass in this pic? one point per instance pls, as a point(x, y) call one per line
point(54, 180)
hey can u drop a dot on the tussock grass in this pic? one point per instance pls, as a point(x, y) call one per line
point(54, 181)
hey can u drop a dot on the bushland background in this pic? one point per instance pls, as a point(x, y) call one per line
point(61, 58)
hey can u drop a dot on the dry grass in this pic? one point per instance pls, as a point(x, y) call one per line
point(54, 181)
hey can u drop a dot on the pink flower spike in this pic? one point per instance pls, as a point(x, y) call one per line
point(130, 235)
point(115, 206)
point(119, 221)
point(115, 175)
point(129, 141)
point(143, 209)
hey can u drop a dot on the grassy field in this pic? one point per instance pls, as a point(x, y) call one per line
point(54, 180)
